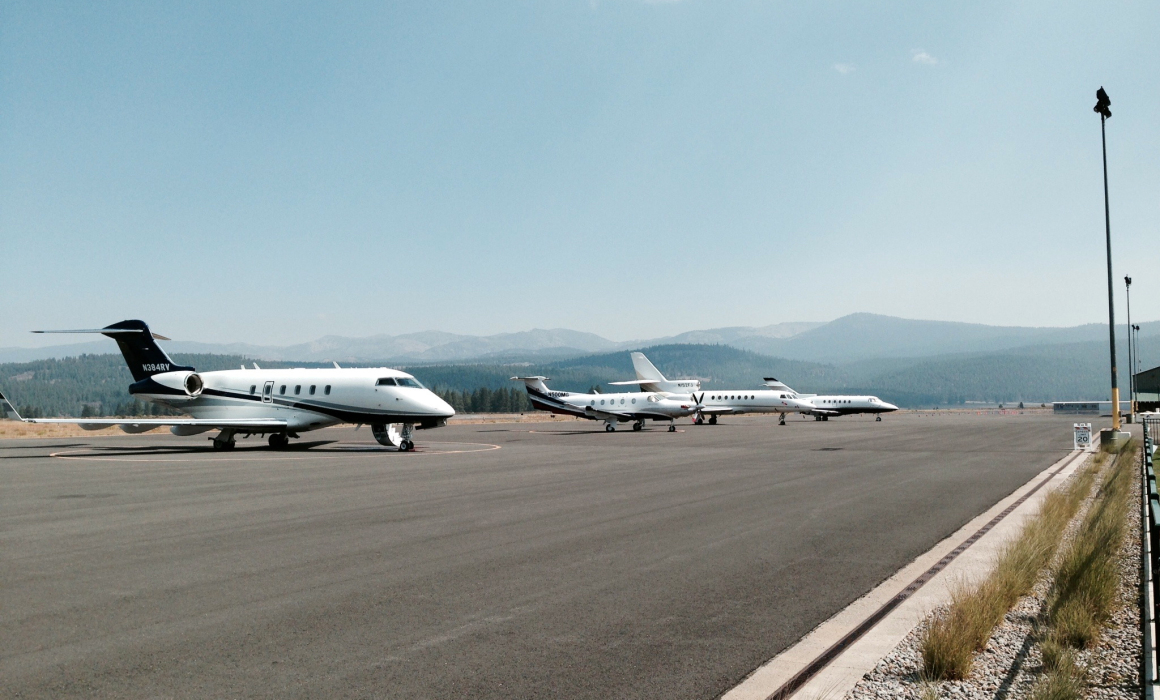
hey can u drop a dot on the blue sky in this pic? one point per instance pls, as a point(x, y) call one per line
point(274, 172)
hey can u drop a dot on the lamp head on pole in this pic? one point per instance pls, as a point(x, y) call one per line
point(1102, 104)
point(1127, 281)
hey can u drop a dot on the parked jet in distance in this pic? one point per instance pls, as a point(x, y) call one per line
point(719, 402)
point(610, 408)
point(840, 405)
point(280, 402)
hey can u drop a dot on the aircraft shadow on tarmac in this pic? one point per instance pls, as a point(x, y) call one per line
point(124, 451)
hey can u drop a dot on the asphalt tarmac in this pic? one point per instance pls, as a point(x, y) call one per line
point(497, 561)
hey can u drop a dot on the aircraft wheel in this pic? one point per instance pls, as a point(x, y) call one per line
point(406, 446)
point(672, 428)
point(699, 421)
point(636, 426)
point(826, 418)
point(712, 420)
point(278, 441)
point(608, 428)
point(878, 419)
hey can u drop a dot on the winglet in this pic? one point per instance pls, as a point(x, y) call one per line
point(8, 410)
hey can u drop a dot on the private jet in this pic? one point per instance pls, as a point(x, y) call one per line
point(610, 408)
point(839, 405)
point(719, 402)
point(280, 403)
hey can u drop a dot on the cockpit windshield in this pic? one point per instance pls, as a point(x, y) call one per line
point(386, 381)
point(413, 383)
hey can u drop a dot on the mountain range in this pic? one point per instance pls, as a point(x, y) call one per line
point(857, 337)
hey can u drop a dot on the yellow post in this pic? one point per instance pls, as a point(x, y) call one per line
point(1116, 408)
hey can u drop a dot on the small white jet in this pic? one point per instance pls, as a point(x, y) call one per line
point(840, 405)
point(723, 401)
point(610, 408)
point(277, 402)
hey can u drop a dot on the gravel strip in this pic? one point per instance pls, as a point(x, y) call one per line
point(1010, 665)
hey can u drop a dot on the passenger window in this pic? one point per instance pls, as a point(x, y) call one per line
point(282, 390)
point(601, 402)
point(253, 389)
point(312, 387)
point(385, 381)
point(297, 389)
point(634, 400)
point(326, 390)
point(622, 402)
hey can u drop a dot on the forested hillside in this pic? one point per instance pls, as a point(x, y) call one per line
point(93, 385)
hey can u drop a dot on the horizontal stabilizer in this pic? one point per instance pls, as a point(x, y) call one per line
point(110, 332)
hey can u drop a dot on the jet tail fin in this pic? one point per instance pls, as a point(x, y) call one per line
point(645, 369)
point(536, 382)
point(137, 345)
point(8, 410)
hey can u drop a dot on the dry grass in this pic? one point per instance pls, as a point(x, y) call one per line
point(1065, 679)
point(949, 644)
point(1085, 587)
point(14, 429)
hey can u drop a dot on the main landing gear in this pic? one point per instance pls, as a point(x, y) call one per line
point(878, 419)
point(278, 441)
point(610, 427)
point(639, 425)
point(672, 426)
point(712, 420)
point(224, 440)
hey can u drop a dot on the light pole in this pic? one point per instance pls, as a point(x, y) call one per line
point(1131, 364)
point(1102, 105)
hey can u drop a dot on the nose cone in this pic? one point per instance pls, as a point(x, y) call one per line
point(889, 406)
point(438, 406)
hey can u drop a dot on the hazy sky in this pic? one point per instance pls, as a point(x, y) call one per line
point(274, 172)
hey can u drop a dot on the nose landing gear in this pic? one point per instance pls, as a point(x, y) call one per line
point(781, 421)
point(389, 435)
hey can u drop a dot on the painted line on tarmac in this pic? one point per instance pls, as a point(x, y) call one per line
point(267, 456)
point(794, 668)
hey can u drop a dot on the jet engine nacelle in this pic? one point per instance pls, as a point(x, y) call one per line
point(188, 382)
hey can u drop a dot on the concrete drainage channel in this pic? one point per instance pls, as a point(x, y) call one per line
point(831, 659)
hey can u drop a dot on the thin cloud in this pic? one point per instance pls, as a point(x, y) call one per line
point(920, 56)
point(845, 68)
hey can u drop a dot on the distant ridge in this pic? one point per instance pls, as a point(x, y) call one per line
point(853, 338)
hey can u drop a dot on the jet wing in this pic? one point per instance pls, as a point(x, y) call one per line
point(716, 410)
point(143, 424)
point(139, 425)
point(607, 415)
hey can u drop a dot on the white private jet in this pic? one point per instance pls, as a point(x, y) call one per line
point(723, 401)
point(277, 402)
point(610, 408)
point(840, 405)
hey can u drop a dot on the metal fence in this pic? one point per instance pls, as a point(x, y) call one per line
point(1150, 541)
